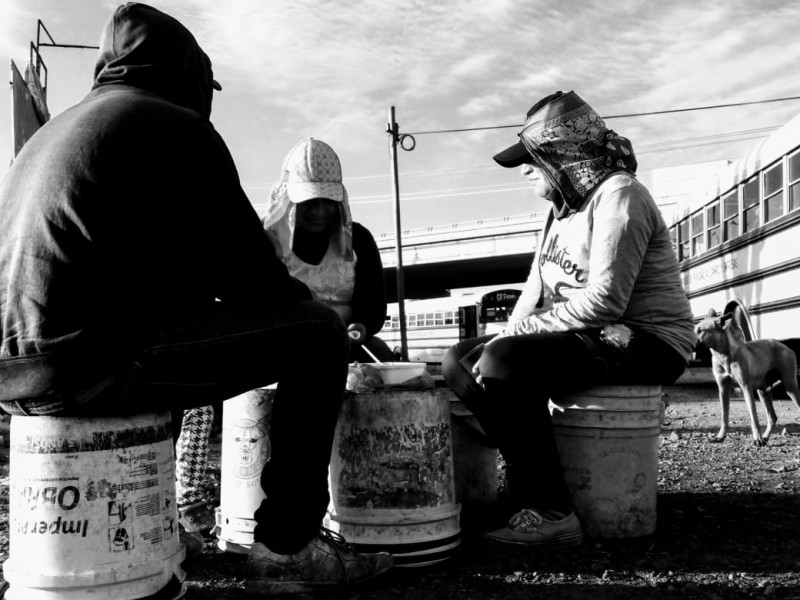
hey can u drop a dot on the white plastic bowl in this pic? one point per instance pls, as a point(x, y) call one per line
point(393, 373)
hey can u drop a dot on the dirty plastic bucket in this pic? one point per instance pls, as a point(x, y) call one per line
point(92, 509)
point(608, 442)
point(392, 476)
point(474, 458)
point(246, 449)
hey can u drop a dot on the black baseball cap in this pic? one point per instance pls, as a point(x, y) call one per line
point(518, 154)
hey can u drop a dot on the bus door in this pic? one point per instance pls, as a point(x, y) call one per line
point(467, 322)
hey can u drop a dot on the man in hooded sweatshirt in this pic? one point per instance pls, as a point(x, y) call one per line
point(135, 276)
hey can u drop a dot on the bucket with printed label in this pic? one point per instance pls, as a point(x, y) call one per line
point(246, 449)
point(92, 510)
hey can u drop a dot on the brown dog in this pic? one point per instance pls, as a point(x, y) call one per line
point(755, 366)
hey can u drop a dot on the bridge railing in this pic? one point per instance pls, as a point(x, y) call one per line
point(494, 226)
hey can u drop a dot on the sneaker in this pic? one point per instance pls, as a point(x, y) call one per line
point(193, 541)
point(197, 517)
point(529, 528)
point(325, 564)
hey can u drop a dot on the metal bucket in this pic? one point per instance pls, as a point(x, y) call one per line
point(392, 476)
point(92, 509)
point(608, 441)
point(245, 451)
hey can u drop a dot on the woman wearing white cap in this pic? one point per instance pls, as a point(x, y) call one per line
point(310, 225)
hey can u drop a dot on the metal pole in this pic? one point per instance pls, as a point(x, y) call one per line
point(401, 309)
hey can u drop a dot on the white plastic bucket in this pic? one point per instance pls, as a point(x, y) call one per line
point(245, 451)
point(608, 441)
point(474, 459)
point(92, 509)
point(392, 476)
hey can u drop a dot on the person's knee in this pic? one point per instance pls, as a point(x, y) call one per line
point(493, 361)
point(451, 368)
point(321, 330)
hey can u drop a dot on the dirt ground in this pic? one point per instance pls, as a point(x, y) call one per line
point(728, 528)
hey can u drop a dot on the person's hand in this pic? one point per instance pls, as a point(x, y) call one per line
point(476, 372)
point(357, 333)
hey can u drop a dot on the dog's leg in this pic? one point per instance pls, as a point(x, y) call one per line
point(766, 401)
point(789, 378)
point(749, 401)
point(724, 386)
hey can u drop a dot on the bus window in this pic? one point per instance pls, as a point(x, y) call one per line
point(683, 239)
point(730, 211)
point(698, 233)
point(712, 225)
point(412, 320)
point(794, 181)
point(773, 192)
point(751, 205)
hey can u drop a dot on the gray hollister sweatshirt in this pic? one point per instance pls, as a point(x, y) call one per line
point(610, 261)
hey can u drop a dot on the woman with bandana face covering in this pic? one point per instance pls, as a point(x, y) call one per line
point(603, 304)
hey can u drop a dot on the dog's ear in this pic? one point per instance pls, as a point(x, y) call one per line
point(711, 313)
point(725, 320)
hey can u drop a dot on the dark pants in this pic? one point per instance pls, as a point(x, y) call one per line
point(218, 355)
point(520, 375)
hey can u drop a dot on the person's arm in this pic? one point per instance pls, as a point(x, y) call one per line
point(369, 294)
point(622, 227)
point(243, 268)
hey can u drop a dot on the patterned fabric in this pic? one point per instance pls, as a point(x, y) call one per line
point(191, 453)
point(572, 144)
point(310, 170)
point(331, 282)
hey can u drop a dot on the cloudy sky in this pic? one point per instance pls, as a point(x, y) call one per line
point(332, 70)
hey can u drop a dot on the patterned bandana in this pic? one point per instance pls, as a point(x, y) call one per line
point(572, 144)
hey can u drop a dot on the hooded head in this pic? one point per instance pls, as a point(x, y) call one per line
point(311, 170)
point(146, 48)
point(569, 141)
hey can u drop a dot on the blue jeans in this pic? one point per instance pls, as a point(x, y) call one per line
point(521, 373)
point(219, 354)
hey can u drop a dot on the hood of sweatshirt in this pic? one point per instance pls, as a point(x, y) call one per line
point(571, 143)
point(148, 49)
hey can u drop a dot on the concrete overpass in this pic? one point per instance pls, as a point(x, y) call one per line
point(475, 253)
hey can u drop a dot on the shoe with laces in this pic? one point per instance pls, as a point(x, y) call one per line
point(326, 563)
point(529, 528)
point(193, 541)
point(197, 517)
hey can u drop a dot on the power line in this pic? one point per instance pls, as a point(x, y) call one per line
point(666, 146)
point(625, 116)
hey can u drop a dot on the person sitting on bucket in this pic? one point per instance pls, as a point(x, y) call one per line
point(309, 222)
point(135, 276)
point(603, 303)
